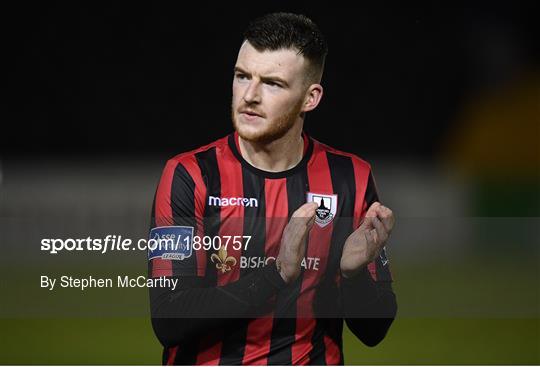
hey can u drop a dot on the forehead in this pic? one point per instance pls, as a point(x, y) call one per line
point(284, 62)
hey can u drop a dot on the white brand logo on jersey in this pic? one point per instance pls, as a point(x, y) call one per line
point(216, 201)
point(327, 209)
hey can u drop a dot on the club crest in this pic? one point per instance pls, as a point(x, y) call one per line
point(327, 209)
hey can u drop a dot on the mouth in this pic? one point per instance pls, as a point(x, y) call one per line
point(250, 114)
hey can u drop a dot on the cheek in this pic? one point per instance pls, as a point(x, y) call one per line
point(236, 95)
point(282, 104)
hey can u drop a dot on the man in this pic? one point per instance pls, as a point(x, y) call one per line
point(285, 234)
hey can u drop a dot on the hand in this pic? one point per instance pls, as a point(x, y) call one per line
point(293, 241)
point(365, 244)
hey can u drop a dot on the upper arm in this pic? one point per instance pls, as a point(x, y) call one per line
point(177, 212)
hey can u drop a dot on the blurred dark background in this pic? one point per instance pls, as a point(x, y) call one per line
point(442, 98)
point(157, 78)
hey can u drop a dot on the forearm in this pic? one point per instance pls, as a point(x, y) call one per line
point(369, 307)
point(183, 313)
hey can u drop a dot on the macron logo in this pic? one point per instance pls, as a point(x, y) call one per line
point(215, 201)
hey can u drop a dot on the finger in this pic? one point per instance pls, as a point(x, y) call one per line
point(390, 218)
point(372, 211)
point(310, 208)
point(387, 217)
point(302, 219)
point(306, 211)
point(382, 234)
point(383, 210)
point(310, 222)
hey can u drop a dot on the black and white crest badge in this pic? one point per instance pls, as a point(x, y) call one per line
point(327, 209)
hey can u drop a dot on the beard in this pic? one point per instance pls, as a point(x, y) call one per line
point(272, 130)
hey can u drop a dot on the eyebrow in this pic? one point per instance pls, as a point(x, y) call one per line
point(263, 78)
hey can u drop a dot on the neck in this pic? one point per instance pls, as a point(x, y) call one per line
point(279, 155)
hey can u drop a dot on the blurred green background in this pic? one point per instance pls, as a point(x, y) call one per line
point(410, 341)
point(507, 288)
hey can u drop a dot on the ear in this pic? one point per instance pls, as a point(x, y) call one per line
point(313, 97)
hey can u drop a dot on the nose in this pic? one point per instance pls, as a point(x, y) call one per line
point(251, 94)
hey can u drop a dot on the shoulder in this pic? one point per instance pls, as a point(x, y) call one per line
point(332, 154)
point(190, 160)
point(215, 146)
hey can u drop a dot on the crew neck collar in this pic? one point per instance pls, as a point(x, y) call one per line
point(308, 150)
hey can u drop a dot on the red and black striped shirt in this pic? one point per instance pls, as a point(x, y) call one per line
point(215, 191)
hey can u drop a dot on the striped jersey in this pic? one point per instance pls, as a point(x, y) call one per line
point(215, 191)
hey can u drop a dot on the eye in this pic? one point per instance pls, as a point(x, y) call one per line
point(240, 76)
point(273, 84)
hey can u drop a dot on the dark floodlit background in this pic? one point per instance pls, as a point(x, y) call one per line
point(443, 100)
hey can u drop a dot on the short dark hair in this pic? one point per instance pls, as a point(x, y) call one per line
point(278, 31)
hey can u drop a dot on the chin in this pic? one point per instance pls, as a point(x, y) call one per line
point(250, 134)
point(248, 131)
point(260, 136)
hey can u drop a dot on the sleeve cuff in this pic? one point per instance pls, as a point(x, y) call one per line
point(271, 274)
point(360, 285)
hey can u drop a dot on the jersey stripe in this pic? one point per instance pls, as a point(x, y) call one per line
point(332, 356)
point(260, 330)
point(317, 353)
point(183, 212)
point(153, 225)
point(163, 215)
point(153, 212)
point(319, 182)
point(343, 181)
point(193, 169)
point(254, 217)
point(207, 162)
point(361, 174)
point(231, 216)
point(234, 341)
point(209, 348)
point(284, 324)
point(231, 224)
point(172, 355)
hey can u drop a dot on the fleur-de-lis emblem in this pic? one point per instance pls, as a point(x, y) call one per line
point(223, 262)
